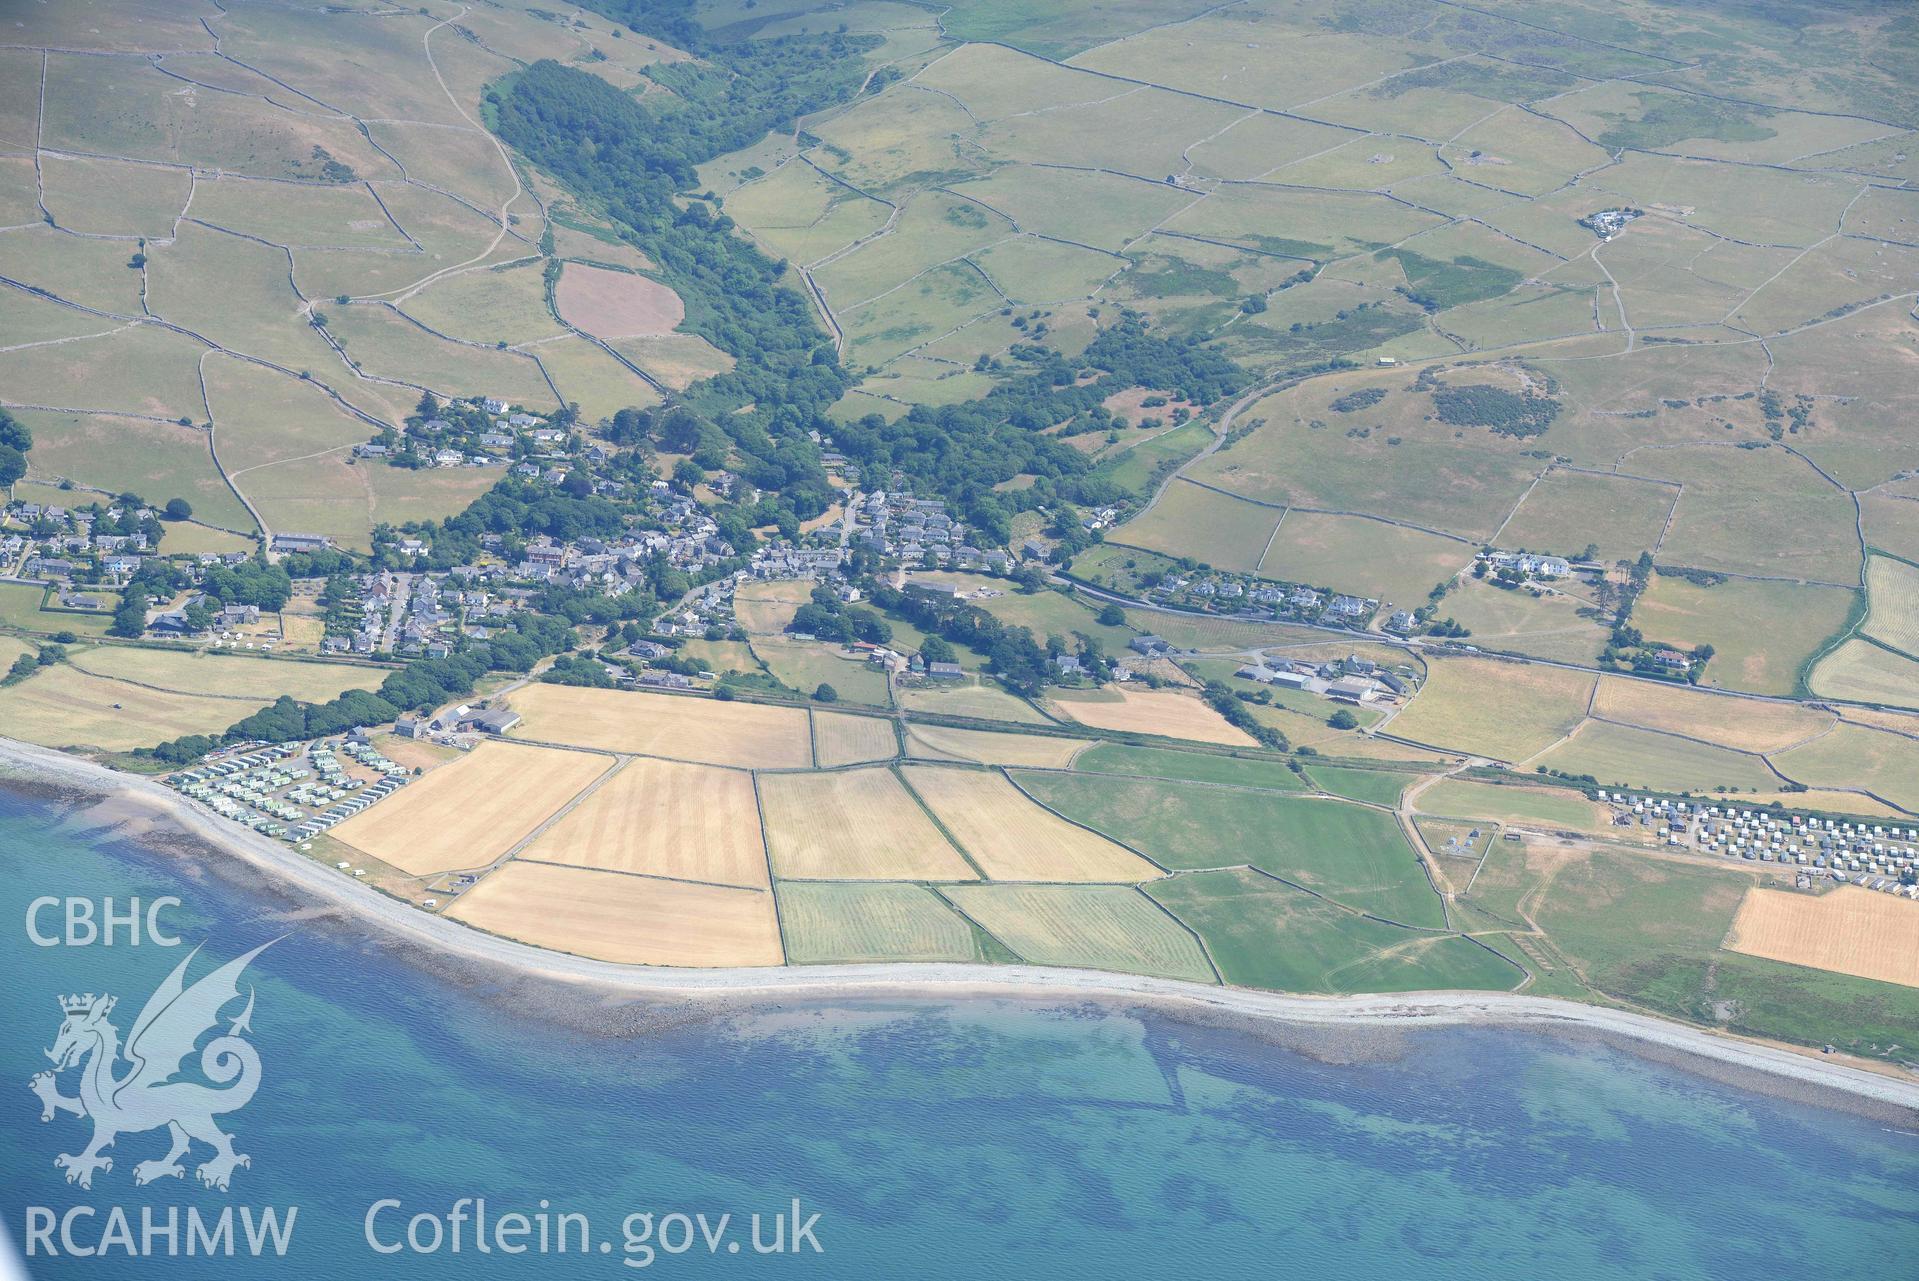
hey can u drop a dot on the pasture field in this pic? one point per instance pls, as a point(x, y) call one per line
point(633, 920)
point(1014, 839)
point(139, 370)
point(1891, 519)
point(1136, 464)
point(1052, 613)
point(1554, 807)
point(799, 213)
point(616, 304)
point(1163, 712)
point(986, 747)
point(850, 924)
point(1390, 457)
point(854, 825)
point(1867, 673)
point(1213, 528)
point(1355, 855)
point(1092, 927)
point(100, 197)
point(61, 706)
point(1264, 934)
point(93, 273)
point(225, 675)
point(765, 608)
point(298, 215)
point(158, 461)
point(1505, 711)
point(237, 293)
point(500, 304)
point(193, 537)
point(839, 739)
point(1857, 757)
point(330, 495)
point(22, 606)
point(470, 812)
point(1892, 588)
point(1375, 786)
point(1193, 767)
point(977, 696)
point(662, 818)
point(1623, 754)
point(702, 730)
point(1363, 557)
point(1652, 931)
point(1850, 930)
point(676, 359)
point(386, 344)
point(804, 666)
point(1761, 633)
point(1743, 724)
point(1717, 526)
point(1557, 626)
point(590, 376)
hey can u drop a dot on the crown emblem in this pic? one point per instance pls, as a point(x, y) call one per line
point(85, 1004)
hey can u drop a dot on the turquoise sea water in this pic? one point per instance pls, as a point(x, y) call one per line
point(933, 1138)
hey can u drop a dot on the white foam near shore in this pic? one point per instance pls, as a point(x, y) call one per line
point(1399, 1010)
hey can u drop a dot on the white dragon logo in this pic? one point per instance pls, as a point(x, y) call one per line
point(147, 1095)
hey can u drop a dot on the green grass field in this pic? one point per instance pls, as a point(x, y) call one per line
point(21, 606)
point(1376, 787)
point(1347, 852)
point(1264, 934)
point(1761, 633)
point(1213, 528)
point(1193, 767)
point(1463, 798)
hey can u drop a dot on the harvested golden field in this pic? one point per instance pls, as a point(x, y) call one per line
point(1095, 927)
point(633, 920)
point(985, 747)
point(1851, 930)
point(856, 825)
point(1741, 723)
point(616, 304)
point(470, 812)
point(663, 818)
point(871, 921)
point(1860, 670)
point(63, 707)
point(1013, 837)
point(1504, 711)
point(705, 730)
point(839, 739)
point(1153, 711)
point(1893, 588)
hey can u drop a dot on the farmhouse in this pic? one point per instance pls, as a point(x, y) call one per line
point(301, 542)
